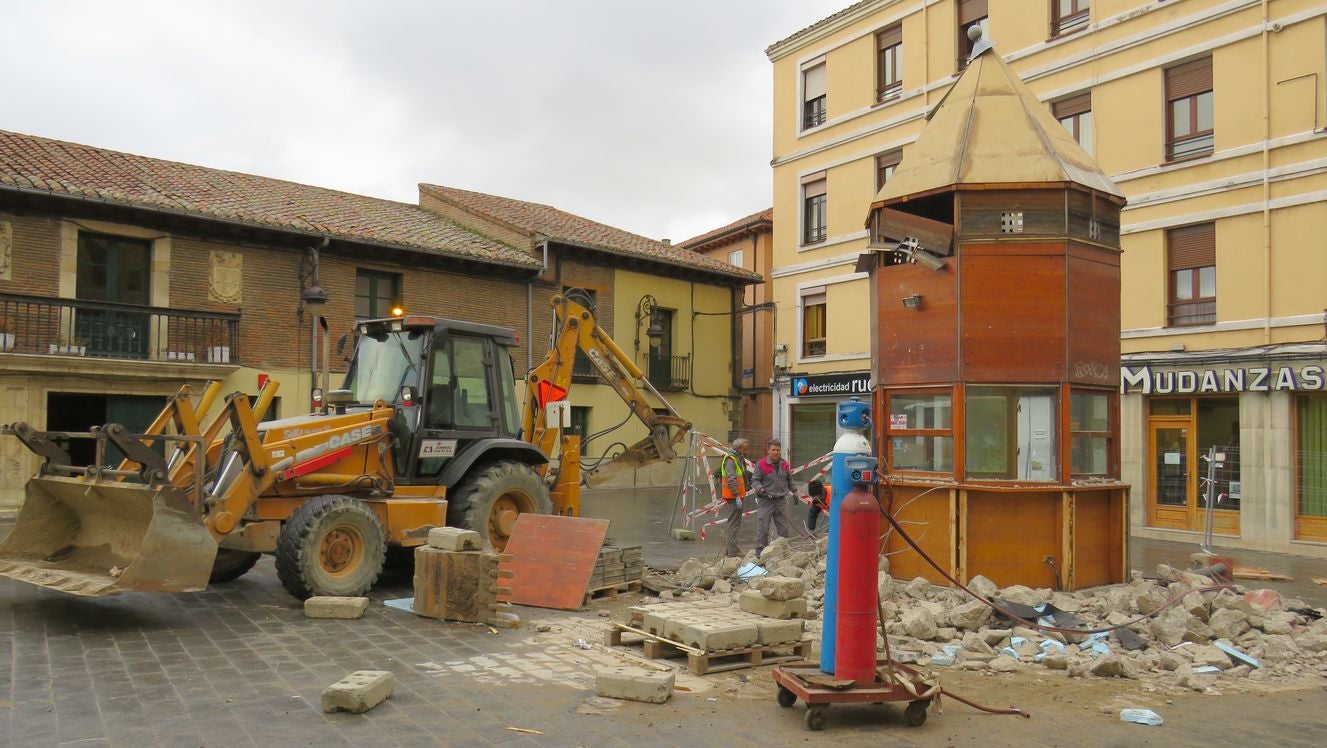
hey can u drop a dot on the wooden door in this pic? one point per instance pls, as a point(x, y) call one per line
point(1171, 480)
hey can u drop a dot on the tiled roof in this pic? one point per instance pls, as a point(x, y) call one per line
point(752, 221)
point(817, 25)
point(37, 164)
point(559, 225)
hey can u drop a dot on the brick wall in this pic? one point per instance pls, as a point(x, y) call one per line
point(35, 256)
point(575, 274)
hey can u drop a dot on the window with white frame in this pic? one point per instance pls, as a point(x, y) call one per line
point(814, 94)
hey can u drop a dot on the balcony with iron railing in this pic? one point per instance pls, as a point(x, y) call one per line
point(668, 372)
point(38, 325)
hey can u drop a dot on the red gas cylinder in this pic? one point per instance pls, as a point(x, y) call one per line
point(859, 560)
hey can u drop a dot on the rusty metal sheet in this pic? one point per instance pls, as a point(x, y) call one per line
point(552, 559)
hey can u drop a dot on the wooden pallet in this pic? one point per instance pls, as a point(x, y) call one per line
point(612, 590)
point(714, 662)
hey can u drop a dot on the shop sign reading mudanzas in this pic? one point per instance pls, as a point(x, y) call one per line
point(829, 385)
point(1252, 379)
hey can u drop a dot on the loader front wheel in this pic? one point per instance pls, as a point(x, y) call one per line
point(331, 545)
point(492, 496)
point(232, 564)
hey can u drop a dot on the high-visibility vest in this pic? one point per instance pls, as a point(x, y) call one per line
point(723, 478)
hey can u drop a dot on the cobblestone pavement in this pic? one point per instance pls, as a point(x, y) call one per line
point(239, 665)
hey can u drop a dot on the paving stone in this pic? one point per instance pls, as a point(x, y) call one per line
point(455, 539)
point(717, 636)
point(335, 607)
point(635, 684)
point(754, 602)
point(359, 692)
point(775, 631)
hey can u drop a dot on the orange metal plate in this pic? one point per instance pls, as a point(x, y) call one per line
point(553, 558)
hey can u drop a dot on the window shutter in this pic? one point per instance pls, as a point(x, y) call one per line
point(971, 10)
point(1189, 79)
point(1191, 246)
point(889, 37)
point(1071, 106)
point(813, 185)
point(813, 82)
point(889, 158)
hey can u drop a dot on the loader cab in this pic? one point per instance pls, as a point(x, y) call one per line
point(452, 384)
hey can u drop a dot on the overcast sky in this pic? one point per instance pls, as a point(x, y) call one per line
point(653, 117)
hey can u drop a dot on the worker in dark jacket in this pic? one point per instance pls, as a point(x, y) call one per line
point(773, 483)
point(819, 494)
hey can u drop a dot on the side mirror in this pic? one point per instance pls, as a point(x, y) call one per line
point(407, 396)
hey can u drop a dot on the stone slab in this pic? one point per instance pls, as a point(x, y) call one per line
point(780, 588)
point(635, 684)
point(776, 631)
point(359, 692)
point(718, 636)
point(754, 602)
point(455, 539)
point(335, 607)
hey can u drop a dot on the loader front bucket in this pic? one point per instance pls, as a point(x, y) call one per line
point(97, 538)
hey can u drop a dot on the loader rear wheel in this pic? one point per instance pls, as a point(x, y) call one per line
point(232, 564)
point(331, 545)
point(492, 496)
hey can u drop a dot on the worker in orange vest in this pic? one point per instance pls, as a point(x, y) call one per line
point(733, 472)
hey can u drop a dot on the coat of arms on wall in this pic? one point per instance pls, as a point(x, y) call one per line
point(226, 282)
point(6, 250)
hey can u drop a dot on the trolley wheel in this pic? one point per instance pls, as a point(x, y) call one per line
point(786, 698)
point(915, 714)
point(815, 716)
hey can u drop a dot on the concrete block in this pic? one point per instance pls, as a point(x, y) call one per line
point(635, 684)
point(754, 602)
point(460, 586)
point(359, 692)
point(717, 636)
point(780, 588)
point(775, 631)
point(683, 534)
point(455, 539)
point(335, 607)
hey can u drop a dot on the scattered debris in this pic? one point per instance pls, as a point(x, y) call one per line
point(326, 606)
point(526, 730)
point(1141, 717)
point(1259, 573)
point(359, 692)
point(582, 644)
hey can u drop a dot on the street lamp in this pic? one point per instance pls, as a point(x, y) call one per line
point(645, 310)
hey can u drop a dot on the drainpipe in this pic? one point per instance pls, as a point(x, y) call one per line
point(529, 308)
point(1266, 167)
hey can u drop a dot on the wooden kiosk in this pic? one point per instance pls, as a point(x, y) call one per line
point(995, 276)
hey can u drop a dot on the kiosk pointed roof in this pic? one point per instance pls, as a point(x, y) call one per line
point(990, 129)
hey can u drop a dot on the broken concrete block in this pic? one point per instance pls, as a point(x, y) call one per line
point(754, 602)
point(722, 586)
point(359, 692)
point(1209, 655)
point(1056, 661)
point(1149, 599)
point(1003, 664)
point(1265, 600)
point(719, 635)
point(1225, 599)
point(1067, 603)
point(972, 642)
point(1021, 595)
point(983, 586)
point(1114, 666)
point(918, 588)
point(780, 588)
point(971, 615)
point(775, 631)
point(1277, 649)
point(680, 533)
point(920, 624)
point(1228, 623)
point(1280, 623)
point(1170, 627)
point(635, 684)
point(461, 586)
point(335, 607)
point(455, 539)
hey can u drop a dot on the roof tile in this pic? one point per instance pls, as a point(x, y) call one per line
point(560, 225)
point(751, 221)
point(80, 171)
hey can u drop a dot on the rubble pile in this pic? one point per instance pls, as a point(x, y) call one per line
point(1204, 640)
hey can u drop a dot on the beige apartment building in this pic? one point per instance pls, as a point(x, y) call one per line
point(1209, 116)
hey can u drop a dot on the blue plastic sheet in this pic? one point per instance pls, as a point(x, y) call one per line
point(1238, 656)
point(751, 571)
point(1141, 717)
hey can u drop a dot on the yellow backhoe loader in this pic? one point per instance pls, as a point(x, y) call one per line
point(426, 431)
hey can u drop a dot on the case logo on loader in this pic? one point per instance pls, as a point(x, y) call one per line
point(351, 436)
